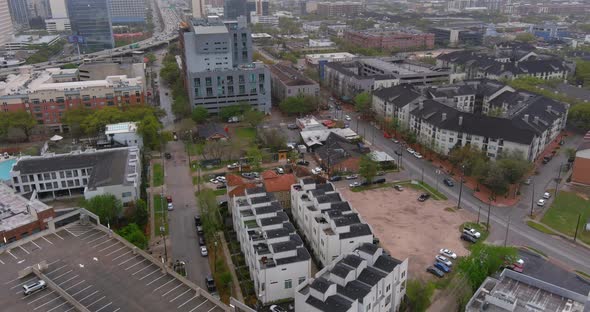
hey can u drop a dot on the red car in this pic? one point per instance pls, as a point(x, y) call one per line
point(169, 199)
point(386, 135)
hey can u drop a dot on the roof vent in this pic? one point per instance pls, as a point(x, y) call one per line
point(526, 117)
point(444, 116)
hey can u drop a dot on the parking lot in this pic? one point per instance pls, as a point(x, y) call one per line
point(98, 271)
point(409, 228)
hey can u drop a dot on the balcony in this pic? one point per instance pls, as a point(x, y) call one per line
point(251, 224)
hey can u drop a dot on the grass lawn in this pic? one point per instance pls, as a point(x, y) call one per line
point(158, 175)
point(421, 186)
point(220, 192)
point(160, 214)
point(564, 212)
point(540, 227)
point(246, 134)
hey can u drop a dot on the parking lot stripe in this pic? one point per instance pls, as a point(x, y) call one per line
point(89, 236)
point(115, 244)
point(23, 283)
point(68, 272)
point(180, 295)
point(58, 236)
point(155, 280)
point(71, 278)
point(70, 233)
point(150, 274)
point(112, 252)
point(113, 311)
point(61, 267)
point(47, 303)
point(92, 229)
point(2, 262)
point(92, 241)
point(202, 303)
point(171, 290)
point(180, 306)
point(80, 282)
point(88, 306)
point(127, 260)
point(54, 262)
point(92, 294)
point(57, 306)
point(70, 309)
point(108, 240)
point(82, 290)
point(21, 247)
point(12, 254)
point(142, 269)
point(43, 237)
point(47, 294)
point(168, 282)
point(36, 244)
point(212, 309)
point(135, 264)
point(121, 255)
point(104, 306)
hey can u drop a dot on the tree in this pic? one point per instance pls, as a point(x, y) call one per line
point(253, 117)
point(255, 156)
point(23, 121)
point(582, 74)
point(362, 103)
point(496, 179)
point(233, 111)
point(149, 128)
point(272, 138)
point(297, 105)
point(225, 278)
point(526, 37)
point(133, 234)
point(419, 294)
point(514, 166)
point(368, 168)
point(151, 58)
point(579, 116)
point(140, 217)
point(483, 261)
point(107, 207)
point(200, 114)
point(570, 152)
point(209, 212)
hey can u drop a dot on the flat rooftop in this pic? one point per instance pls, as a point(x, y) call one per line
point(290, 76)
point(15, 210)
point(100, 272)
point(397, 68)
point(122, 127)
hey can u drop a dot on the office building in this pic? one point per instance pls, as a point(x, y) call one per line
point(328, 223)
point(390, 40)
point(6, 30)
point(39, 9)
point(115, 171)
point(218, 68)
point(232, 9)
point(22, 215)
point(198, 9)
point(258, 7)
point(19, 13)
point(128, 11)
point(453, 36)
point(367, 279)
point(58, 9)
point(91, 19)
point(287, 81)
point(55, 25)
point(275, 255)
point(339, 8)
point(550, 31)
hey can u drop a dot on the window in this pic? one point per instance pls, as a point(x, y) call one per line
point(15, 179)
point(55, 185)
point(451, 140)
point(75, 173)
point(53, 176)
point(83, 171)
point(368, 307)
point(288, 284)
point(77, 182)
point(70, 183)
point(48, 185)
point(39, 177)
point(68, 174)
point(388, 288)
point(84, 181)
point(61, 174)
point(46, 176)
point(126, 194)
point(403, 274)
point(26, 188)
point(301, 279)
point(63, 183)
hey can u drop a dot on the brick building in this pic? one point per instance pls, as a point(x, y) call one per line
point(581, 171)
point(280, 186)
point(389, 40)
point(21, 216)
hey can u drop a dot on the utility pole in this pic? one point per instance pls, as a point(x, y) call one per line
point(422, 178)
point(478, 213)
point(533, 199)
point(507, 229)
point(489, 209)
point(461, 186)
point(577, 226)
point(557, 181)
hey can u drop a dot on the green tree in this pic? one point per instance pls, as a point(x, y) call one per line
point(23, 121)
point(496, 179)
point(151, 58)
point(107, 207)
point(419, 294)
point(140, 217)
point(149, 128)
point(210, 215)
point(133, 234)
point(579, 116)
point(255, 156)
point(570, 152)
point(225, 278)
point(253, 117)
point(514, 166)
point(362, 103)
point(200, 114)
point(582, 72)
point(233, 111)
point(526, 37)
point(297, 105)
point(483, 261)
point(272, 138)
point(368, 168)
point(69, 66)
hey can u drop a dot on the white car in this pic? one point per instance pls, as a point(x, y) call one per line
point(347, 118)
point(220, 179)
point(170, 207)
point(410, 150)
point(448, 253)
point(354, 184)
point(417, 155)
point(214, 181)
point(547, 195)
point(233, 166)
point(472, 232)
point(280, 170)
point(443, 260)
point(316, 170)
point(276, 308)
point(541, 202)
point(204, 252)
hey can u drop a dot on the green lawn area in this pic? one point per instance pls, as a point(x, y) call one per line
point(478, 227)
point(160, 214)
point(158, 175)
point(564, 212)
point(540, 227)
point(246, 134)
point(421, 186)
point(220, 192)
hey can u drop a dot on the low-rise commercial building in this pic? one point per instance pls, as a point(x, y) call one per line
point(24, 42)
point(286, 81)
point(328, 223)
point(274, 253)
point(21, 215)
point(453, 36)
point(124, 134)
point(581, 171)
point(402, 40)
point(115, 171)
point(367, 279)
point(316, 59)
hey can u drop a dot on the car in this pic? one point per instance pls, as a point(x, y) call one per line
point(174, 135)
point(168, 199)
point(221, 186)
point(223, 204)
point(335, 178)
point(34, 287)
point(355, 184)
point(280, 170)
point(347, 118)
point(204, 252)
point(448, 182)
point(410, 150)
point(303, 162)
point(200, 230)
point(197, 220)
point(418, 155)
point(398, 187)
point(441, 266)
point(394, 140)
point(398, 153)
point(541, 202)
point(380, 173)
point(444, 260)
point(468, 238)
point(316, 170)
point(527, 181)
point(292, 126)
point(210, 282)
point(379, 181)
point(423, 197)
point(448, 253)
point(276, 308)
point(547, 195)
point(168, 155)
point(471, 231)
point(214, 181)
point(233, 166)
point(220, 179)
point(352, 177)
point(436, 272)
point(170, 207)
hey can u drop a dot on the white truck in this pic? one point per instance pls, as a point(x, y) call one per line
point(472, 232)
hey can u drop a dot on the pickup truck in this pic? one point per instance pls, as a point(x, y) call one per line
point(472, 232)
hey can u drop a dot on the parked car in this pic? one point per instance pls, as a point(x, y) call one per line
point(397, 152)
point(444, 260)
point(436, 272)
point(292, 126)
point(276, 308)
point(443, 267)
point(468, 238)
point(175, 136)
point(201, 241)
point(168, 199)
point(394, 141)
point(423, 197)
point(398, 187)
point(527, 181)
point(34, 287)
point(197, 220)
point(168, 155)
point(355, 184)
point(547, 195)
point(448, 182)
point(210, 282)
point(223, 204)
point(380, 173)
point(221, 186)
point(233, 166)
point(303, 162)
point(204, 252)
point(170, 207)
point(335, 178)
point(280, 170)
point(410, 150)
point(316, 170)
point(214, 181)
point(352, 177)
point(471, 231)
point(541, 202)
point(417, 155)
point(379, 181)
point(200, 230)
point(448, 253)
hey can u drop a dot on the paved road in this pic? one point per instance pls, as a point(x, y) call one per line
point(519, 233)
point(183, 236)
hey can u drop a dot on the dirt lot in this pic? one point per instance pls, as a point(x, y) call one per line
point(408, 228)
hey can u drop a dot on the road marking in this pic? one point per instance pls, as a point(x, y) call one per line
point(12, 254)
point(43, 237)
point(23, 283)
point(47, 294)
point(92, 241)
point(92, 294)
point(121, 255)
point(135, 264)
point(54, 262)
point(58, 236)
point(36, 244)
point(61, 267)
point(212, 309)
point(158, 269)
point(68, 280)
point(127, 260)
point(155, 280)
point(108, 240)
point(85, 232)
point(168, 282)
point(202, 303)
point(57, 306)
point(70, 309)
point(112, 252)
point(89, 236)
point(171, 290)
point(2, 262)
point(104, 306)
point(113, 311)
point(115, 244)
point(71, 233)
point(21, 247)
point(82, 290)
point(180, 306)
point(180, 295)
point(82, 281)
point(142, 269)
point(88, 306)
point(47, 302)
point(68, 272)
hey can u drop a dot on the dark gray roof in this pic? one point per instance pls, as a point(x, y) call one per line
point(354, 290)
point(207, 130)
point(371, 276)
point(273, 207)
point(280, 218)
point(327, 198)
point(302, 255)
point(386, 263)
point(269, 197)
point(399, 96)
point(284, 246)
point(255, 190)
point(357, 230)
point(369, 248)
point(308, 180)
point(341, 269)
point(278, 232)
point(326, 187)
point(352, 260)
point(337, 149)
point(320, 284)
point(333, 303)
point(347, 219)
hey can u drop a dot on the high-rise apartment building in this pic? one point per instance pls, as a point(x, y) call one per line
point(19, 13)
point(218, 68)
point(128, 11)
point(91, 19)
point(58, 8)
point(6, 30)
point(198, 8)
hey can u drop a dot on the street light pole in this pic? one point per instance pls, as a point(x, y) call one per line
point(461, 186)
point(489, 209)
point(478, 213)
point(557, 181)
point(533, 199)
point(507, 229)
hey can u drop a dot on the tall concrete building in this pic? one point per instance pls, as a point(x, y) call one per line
point(39, 8)
point(234, 8)
point(128, 11)
point(58, 9)
point(218, 68)
point(91, 19)
point(198, 8)
point(6, 30)
point(19, 13)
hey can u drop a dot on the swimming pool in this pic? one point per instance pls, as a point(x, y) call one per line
point(5, 167)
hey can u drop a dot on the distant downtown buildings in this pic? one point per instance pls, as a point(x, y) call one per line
point(6, 30)
point(91, 19)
